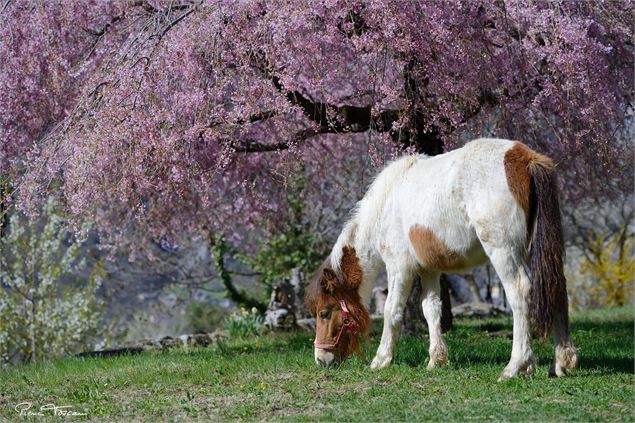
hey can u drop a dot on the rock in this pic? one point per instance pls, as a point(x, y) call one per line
point(168, 342)
point(113, 352)
point(478, 309)
point(165, 343)
point(285, 305)
point(280, 318)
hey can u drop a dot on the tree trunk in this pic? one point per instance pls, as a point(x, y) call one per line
point(428, 143)
point(33, 334)
point(4, 209)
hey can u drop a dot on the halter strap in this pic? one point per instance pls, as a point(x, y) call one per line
point(347, 324)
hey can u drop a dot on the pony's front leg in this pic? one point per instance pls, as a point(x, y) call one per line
point(431, 305)
point(399, 285)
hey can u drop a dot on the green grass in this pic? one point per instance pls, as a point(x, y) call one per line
point(274, 378)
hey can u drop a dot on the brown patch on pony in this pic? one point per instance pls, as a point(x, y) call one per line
point(520, 163)
point(432, 252)
point(324, 294)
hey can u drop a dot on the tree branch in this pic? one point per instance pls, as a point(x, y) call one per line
point(171, 24)
point(219, 248)
point(4, 6)
point(329, 117)
point(336, 119)
point(250, 146)
point(254, 147)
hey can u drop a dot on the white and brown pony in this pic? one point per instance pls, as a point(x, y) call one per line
point(492, 199)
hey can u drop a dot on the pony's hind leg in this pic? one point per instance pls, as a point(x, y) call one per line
point(399, 284)
point(517, 288)
point(431, 305)
point(565, 357)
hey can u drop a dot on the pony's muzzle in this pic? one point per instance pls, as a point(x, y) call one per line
point(326, 358)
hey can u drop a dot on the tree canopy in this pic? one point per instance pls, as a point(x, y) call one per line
point(160, 117)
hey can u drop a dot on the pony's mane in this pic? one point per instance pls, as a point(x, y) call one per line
point(367, 212)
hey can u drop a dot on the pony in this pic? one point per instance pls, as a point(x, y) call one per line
point(492, 199)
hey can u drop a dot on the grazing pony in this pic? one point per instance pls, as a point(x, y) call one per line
point(492, 199)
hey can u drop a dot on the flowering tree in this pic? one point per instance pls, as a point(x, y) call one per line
point(44, 312)
point(164, 118)
point(47, 51)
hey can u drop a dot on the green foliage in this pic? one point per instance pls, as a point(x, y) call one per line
point(244, 324)
point(606, 271)
point(204, 317)
point(295, 246)
point(283, 252)
point(42, 317)
point(274, 378)
point(613, 269)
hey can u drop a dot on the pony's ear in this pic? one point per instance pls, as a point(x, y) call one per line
point(351, 268)
point(328, 280)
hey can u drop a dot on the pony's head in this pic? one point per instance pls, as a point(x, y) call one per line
point(340, 317)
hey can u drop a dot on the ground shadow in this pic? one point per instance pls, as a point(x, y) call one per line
point(604, 346)
point(600, 365)
point(493, 327)
point(607, 365)
point(612, 325)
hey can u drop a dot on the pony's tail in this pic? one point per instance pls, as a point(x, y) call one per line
point(549, 290)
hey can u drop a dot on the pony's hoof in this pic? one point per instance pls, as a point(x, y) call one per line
point(530, 365)
point(566, 359)
point(519, 367)
point(511, 372)
point(380, 362)
point(557, 371)
point(438, 362)
point(507, 376)
point(438, 357)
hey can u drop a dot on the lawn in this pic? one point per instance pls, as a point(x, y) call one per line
point(274, 378)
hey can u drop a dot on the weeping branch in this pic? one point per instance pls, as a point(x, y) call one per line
point(219, 249)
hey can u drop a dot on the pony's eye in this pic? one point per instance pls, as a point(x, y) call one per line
point(325, 314)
